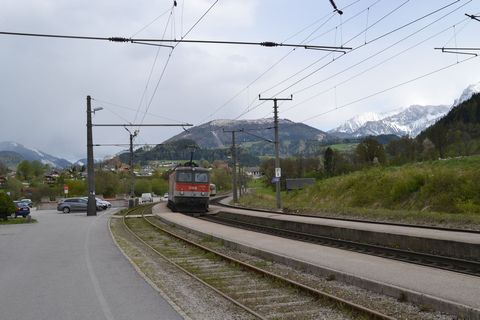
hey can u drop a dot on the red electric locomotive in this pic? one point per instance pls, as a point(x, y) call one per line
point(189, 189)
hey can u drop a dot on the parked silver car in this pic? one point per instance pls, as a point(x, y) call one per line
point(75, 204)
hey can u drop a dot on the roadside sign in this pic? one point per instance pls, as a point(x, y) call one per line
point(278, 172)
point(275, 179)
point(65, 189)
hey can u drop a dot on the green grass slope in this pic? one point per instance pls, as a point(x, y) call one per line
point(451, 186)
point(438, 192)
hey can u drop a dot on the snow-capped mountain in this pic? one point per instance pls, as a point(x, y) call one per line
point(31, 154)
point(467, 94)
point(409, 121)
point(357, 122)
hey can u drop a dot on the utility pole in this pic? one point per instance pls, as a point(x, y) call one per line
point(91, 184)
point(92, 202)
point(234, 158)
point(278, 170)
point(132, 174)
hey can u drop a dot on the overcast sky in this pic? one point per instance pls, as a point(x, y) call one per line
point(44, 82)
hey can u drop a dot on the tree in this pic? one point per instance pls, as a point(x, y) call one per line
point(107, 183)
point(329, 161)
point(204, 164)
point(6, 206)
point(76, 187)
point(24, 170)
point(370, 151)
point(222, 178)
point(14, 186)
point(38, 169)
point(403, 150)
point(3, 169)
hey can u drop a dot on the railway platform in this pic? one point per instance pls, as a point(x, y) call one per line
point(448, 243)
point(442, 290)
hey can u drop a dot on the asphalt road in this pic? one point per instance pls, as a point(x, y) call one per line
point(66, 266)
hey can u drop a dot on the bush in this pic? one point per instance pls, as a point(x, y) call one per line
point(142, 186)
point(159, 186)
point(6, 206)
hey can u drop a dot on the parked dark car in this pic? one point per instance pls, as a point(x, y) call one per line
point(27, 201)
point(76, 204)
point(21, 209)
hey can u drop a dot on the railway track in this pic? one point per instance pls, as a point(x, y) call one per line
point(217, 201)
point(446, 263)
point(263, 294)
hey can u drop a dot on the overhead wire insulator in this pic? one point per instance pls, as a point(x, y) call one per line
point(269, 44)
point(119, 39)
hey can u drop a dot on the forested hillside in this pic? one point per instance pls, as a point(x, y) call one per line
point(457, 133)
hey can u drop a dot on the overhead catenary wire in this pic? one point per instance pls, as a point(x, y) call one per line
point(269, 44)
point(271, 67)
point(385, 60)
point(150, 23)
point(373, 55)
point(170, 55)
point(249, 107)
point(360, 46)
point(327, 55)
point(382, 35)
point(474, 17)
point(321, 58)
point(199, 19)
point(369, 68)
point(152, 68)
point(133, 109)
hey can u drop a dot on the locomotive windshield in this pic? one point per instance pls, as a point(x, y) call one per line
point(184, 176)
point(201, 177)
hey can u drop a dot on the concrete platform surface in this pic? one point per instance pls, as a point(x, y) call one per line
point(449, 290)
point(66, 266)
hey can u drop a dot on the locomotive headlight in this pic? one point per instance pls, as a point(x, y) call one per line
point(203, 193)
point(181, 193)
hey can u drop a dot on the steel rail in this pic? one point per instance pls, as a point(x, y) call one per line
point(216, 201)
point(440, 262)
point(183, 269)
point(372, 314)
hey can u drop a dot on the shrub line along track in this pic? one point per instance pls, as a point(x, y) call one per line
point(219, 264)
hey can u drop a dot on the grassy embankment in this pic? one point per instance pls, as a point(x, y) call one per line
point(443, 192)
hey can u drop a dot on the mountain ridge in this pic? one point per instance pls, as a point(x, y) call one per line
point(409, 121)
point(32, 154)
point(215, 133)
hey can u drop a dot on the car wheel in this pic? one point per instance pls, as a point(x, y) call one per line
point(66, 210)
